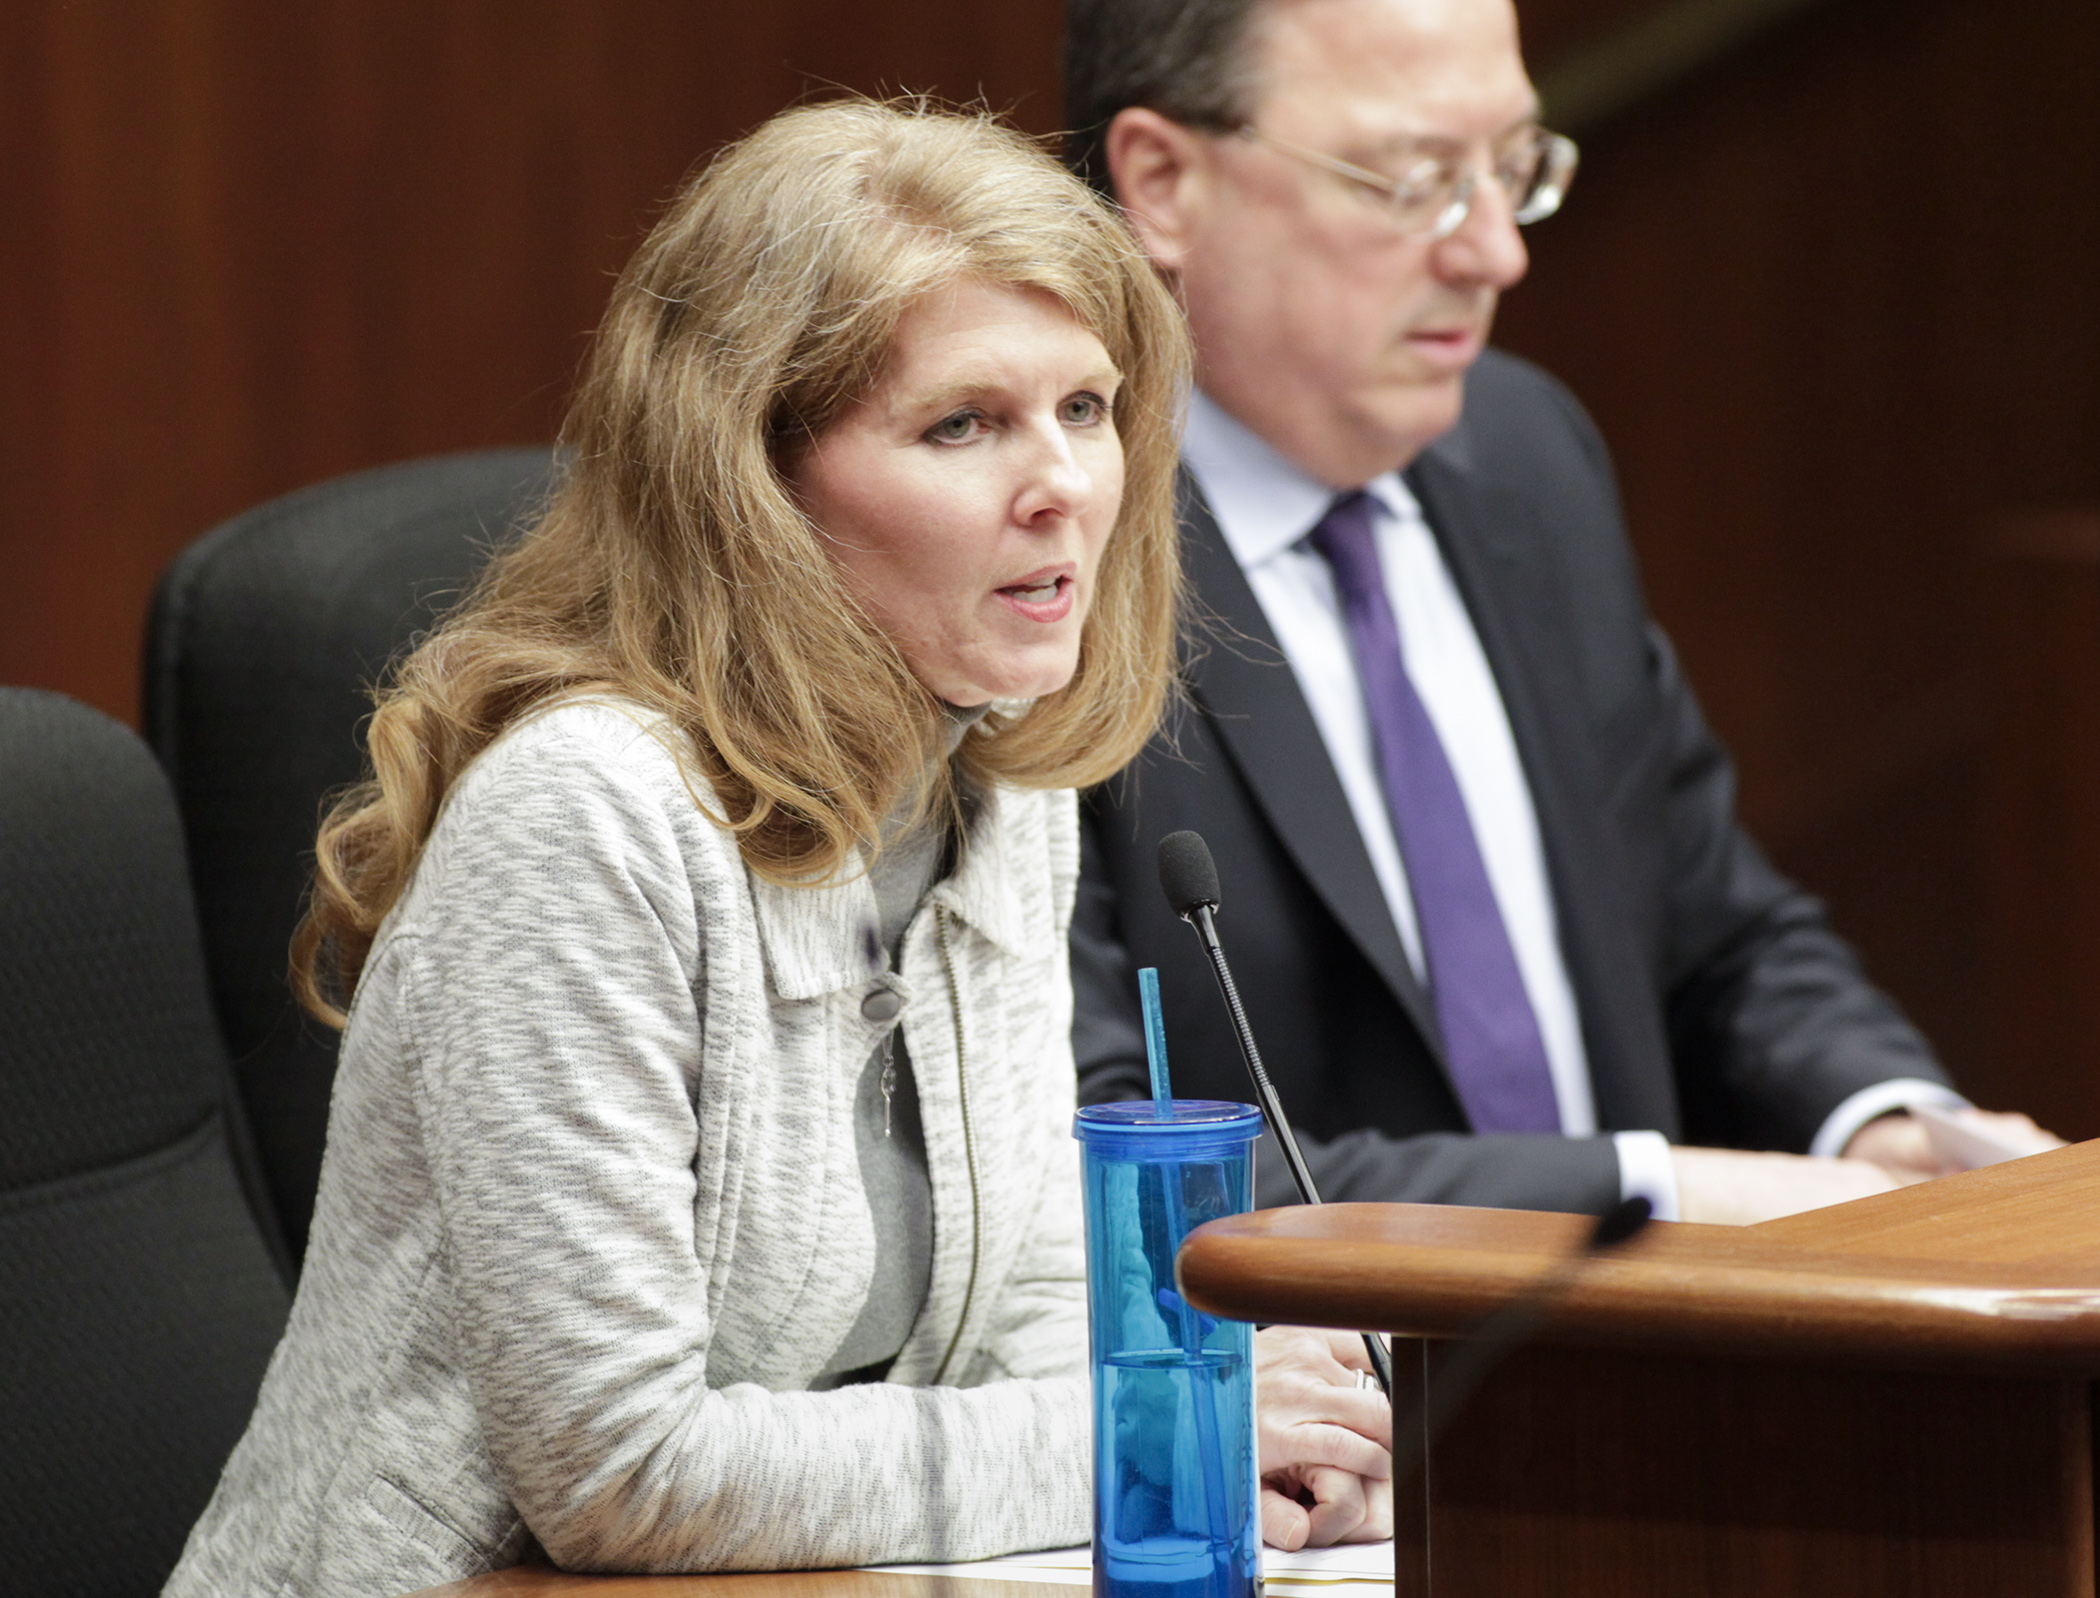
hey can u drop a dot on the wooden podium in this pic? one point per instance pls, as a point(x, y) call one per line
point(1889, 1397)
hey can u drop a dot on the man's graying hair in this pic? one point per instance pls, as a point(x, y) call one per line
point(1185, 59)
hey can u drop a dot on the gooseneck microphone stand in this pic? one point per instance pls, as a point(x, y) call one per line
point(1189, 878)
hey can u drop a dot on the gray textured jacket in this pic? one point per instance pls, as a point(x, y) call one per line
point(591, 1212)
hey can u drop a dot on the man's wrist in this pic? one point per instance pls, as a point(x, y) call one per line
point(1646, 1168)
point(1870, 1103)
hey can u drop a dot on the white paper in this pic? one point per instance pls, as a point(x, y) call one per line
point(1359, 1570)
point(1967, 1142)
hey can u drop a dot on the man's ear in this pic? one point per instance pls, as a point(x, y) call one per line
point(1162, 177)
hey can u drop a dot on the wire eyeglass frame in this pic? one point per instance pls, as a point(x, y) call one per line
point(1413, 199)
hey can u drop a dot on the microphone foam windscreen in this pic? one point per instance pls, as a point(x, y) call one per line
point(1621, 1222)
point(1187, 874)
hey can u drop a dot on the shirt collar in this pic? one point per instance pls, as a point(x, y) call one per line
point(1263, 503)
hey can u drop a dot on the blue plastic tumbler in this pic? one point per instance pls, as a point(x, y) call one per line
point(1175, 1496)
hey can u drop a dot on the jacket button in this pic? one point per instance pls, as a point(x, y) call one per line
point(881, 1005)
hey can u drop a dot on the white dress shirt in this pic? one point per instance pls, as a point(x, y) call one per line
point(1265, 506)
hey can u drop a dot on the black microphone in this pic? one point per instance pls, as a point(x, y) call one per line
point(1189, 878)
point(1483, 1348)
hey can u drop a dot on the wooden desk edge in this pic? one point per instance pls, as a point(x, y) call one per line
point(541, 1581)
point(1423, 1270)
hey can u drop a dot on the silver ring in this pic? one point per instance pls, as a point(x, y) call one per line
point(1366, 1379)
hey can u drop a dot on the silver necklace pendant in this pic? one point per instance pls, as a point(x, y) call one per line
point(889, 1075)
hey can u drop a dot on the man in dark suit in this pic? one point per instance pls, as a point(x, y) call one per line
point(1494, 921)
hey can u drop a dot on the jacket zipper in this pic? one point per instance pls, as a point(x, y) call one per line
point(962, 1075)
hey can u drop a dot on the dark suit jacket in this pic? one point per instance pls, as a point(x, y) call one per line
point(1716, 1005)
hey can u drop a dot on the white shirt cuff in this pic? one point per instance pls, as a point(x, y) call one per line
point(1645, 1167)
point(1899, 1093)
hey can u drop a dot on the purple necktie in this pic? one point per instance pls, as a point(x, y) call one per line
point(1491, 1037)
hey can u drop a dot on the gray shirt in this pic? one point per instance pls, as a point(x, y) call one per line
point(888, 1134)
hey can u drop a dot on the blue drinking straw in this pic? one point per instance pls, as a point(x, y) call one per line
point(1203, 1399)
point(1155, 1042)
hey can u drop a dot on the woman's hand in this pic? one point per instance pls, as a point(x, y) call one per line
point(1325, 1443)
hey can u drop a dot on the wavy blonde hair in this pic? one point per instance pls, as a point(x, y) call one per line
point(672, 565)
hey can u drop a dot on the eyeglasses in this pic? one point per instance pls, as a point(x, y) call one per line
point(1433, 194)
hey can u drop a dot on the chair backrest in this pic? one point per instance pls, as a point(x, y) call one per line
point(267, 635)
point(139, 1294)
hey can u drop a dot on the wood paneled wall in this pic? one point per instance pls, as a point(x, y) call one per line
point(253, 244)
point(2041, 853)
point(1832, 303)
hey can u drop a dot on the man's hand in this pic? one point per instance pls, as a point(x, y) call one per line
point(1324, 1441)
point(1733, 1187)
point(1900, 1145)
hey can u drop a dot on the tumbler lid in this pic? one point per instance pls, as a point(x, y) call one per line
point(1201, 1128)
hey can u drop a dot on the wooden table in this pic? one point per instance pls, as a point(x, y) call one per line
point(539, 1582)
point(1890, 1397)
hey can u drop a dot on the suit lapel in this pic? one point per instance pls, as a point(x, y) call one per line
point(1240, 677)
point(1520, 614)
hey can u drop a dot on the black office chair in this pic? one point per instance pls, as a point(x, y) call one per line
point(266, 635)
point(139, 1296)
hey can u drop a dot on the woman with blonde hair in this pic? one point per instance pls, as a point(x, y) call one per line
point(699, 1192)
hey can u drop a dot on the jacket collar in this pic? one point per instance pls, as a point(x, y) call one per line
point(1241, 678)
point(819, 939)
point(1262, 502)
point(984, 891)
point(1518, 596)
